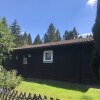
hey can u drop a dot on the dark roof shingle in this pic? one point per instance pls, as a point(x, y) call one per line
point(64, 42)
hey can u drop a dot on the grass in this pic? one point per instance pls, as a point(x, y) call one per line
point(60, 90)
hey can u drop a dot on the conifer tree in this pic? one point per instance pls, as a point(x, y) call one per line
point(68, 35)
point(15, 30)
point(37, 40)
point(65, 35)
point(4, 22)
point(89, 36)
point(46, 40)
point(75, 33)
point(29, 39)
point(51, 34)
point(58, 37)
point(96, 36)
point(25, 39)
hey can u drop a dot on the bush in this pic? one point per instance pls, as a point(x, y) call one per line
point(9, 79)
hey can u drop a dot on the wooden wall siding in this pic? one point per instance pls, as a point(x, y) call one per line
point(86, 55)
point(70, 63)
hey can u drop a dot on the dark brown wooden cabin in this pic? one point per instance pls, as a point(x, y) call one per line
point(65, 61)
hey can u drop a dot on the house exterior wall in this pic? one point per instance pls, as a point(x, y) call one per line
point(70, 63)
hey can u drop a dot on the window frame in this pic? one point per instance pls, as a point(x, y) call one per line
point(44, 56)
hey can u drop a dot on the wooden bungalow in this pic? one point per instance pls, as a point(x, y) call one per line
point(64, 61)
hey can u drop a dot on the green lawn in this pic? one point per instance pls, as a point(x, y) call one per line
point(61, 90)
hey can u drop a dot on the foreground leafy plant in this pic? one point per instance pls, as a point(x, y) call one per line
point(9, 79)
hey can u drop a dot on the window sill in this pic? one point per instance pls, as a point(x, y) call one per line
point(47, 61)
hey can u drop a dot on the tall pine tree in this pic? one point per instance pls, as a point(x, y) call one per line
point(46, 40)
point(4, 22)
point(51, 34)
point(15, 30)
point(25, 39)
point(37, 40)
point(29, 39)
point(58, 37)
point(75, 33)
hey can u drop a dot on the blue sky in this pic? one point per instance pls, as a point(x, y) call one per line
point(34, 16)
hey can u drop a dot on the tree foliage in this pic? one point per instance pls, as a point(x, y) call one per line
point(29, 39)
point(46, 38)
point(37, 40)
point(20, 40)
point(9, 79)
point(96, 29)
point(96, 36)
point(73, 34)
point(6, 39)
point(52, 35)
point(25, 39)
point(67, 35)
point(58, 36)
point(15, 30)
point(89, 36)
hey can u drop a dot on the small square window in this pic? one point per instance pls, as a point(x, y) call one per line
point(48, 56)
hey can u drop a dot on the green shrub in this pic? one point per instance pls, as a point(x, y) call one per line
point(9, 79)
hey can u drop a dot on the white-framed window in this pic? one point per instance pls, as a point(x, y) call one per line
point(24, 60)
point(48, 56)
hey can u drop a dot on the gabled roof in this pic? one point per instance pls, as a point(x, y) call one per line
point(53, 44)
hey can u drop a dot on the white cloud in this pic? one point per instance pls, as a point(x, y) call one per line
point(85, 34)
point(91, 2)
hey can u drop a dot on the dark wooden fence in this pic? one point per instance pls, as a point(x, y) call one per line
point(8, 94)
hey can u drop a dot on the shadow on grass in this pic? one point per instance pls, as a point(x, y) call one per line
point(58, 84)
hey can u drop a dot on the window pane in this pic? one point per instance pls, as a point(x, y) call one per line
point(48, 56)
